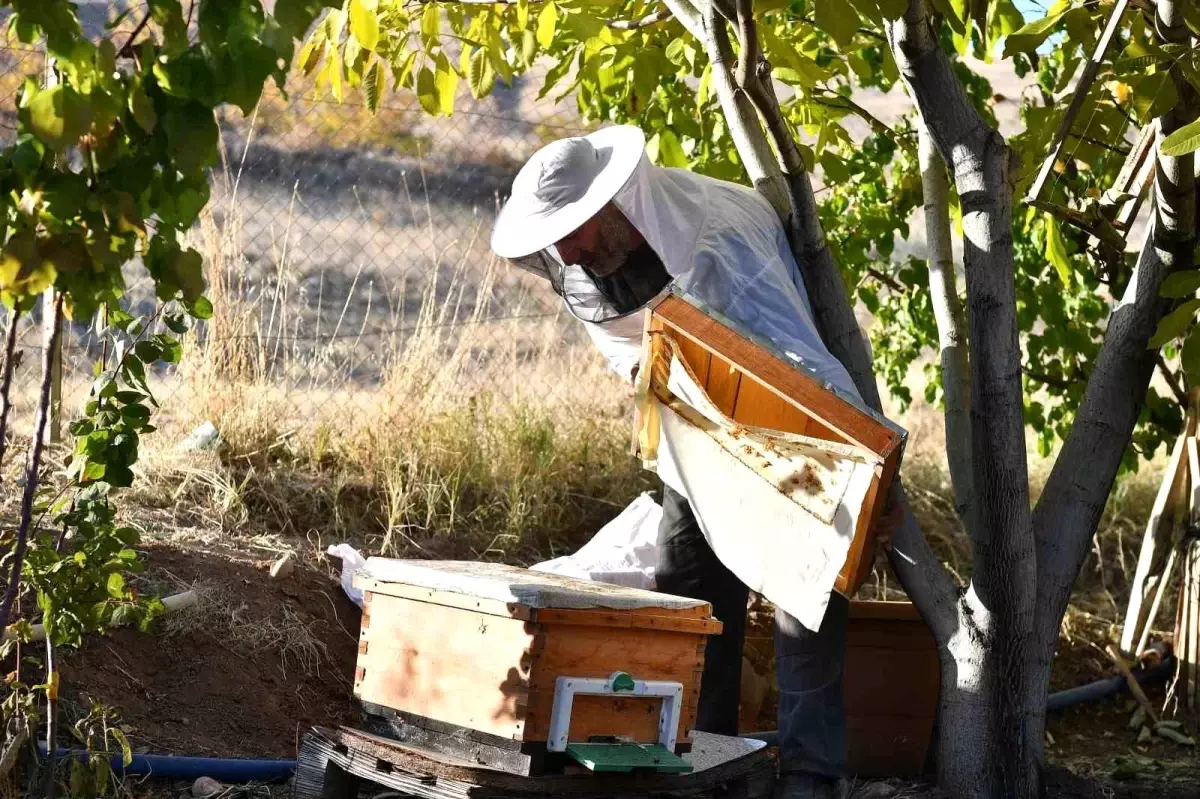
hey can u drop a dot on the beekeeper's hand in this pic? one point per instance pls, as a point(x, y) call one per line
point(890, 520)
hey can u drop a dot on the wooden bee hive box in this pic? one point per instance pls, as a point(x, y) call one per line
point(754, 385)
point(465, 657)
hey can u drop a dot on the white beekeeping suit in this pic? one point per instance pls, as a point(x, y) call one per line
point(723, 244)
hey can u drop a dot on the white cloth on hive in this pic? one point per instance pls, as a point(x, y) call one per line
point(624, 552)
point(514, 585)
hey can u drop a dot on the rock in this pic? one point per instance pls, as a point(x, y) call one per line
point(283, 568)
point(206, 788)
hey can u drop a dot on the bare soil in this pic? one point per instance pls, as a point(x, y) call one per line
point(194, 689)
point(196, 692)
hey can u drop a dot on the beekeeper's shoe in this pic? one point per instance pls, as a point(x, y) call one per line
point(808, 786)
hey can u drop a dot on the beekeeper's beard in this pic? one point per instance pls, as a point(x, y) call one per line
point(615, 241)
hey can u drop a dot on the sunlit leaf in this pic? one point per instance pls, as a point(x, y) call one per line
point(447, 84)
point(374, 85)
point(1056, 250)
point(480, 77)
point(1182, 141)
point(547, 21)
point(1173, 324)
point(431, 21)
point(427, 91)
point(364, 23)
point(838, 19)
point(1030, 37)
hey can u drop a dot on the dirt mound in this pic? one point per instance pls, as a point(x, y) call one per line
point(242, 674)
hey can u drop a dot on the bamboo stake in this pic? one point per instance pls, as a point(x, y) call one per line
point(1166, 506)
point(1131, 681)
point(1168, 571)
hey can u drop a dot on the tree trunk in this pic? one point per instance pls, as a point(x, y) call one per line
point(952, 327)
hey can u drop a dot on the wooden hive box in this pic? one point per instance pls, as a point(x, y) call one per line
point(890, 711)
point(754, 384)
point(467, 655)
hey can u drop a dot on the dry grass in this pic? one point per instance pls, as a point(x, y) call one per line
point(219, 614)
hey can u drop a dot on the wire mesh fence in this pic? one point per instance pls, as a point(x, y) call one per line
point(347, 255)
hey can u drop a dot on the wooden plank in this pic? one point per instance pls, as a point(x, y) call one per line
point(889, 611)
point(434, 777)
point(1079, 94)
point(492, 607)
point(794, 386)
point(759, 406)
point(571, 651)
point(1170, 490)
point(626, 620)
point(724, 381)
point(452, 664)
point(697, 358)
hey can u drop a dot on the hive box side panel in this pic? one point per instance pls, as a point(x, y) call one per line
point(579, 651)
point(890, 711)
point(455, 665)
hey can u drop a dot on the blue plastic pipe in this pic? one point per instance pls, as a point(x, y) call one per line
point(175, 767)
point(239, 770)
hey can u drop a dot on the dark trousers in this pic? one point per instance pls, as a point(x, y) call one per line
point(809, 666)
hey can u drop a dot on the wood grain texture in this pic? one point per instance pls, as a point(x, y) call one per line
point(452, 664)
point(580, 651)
point(784, 379)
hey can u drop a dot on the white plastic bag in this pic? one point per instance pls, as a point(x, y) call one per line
point(352, 561)
point(624, 552)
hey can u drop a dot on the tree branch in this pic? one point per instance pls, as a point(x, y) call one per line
point(1074, 497)
point(10, 351)
point(126, 50)
point(1172, 381)
point(951, 325)
point(35, 464)
point(658, 16)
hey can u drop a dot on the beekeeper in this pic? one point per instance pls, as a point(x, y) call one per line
point(611, 231)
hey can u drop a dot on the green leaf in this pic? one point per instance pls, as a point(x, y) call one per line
point(1182, 141)
point(528, 48)
point(1189, 356)
point(702, 92)
point(192, 135)
point(663, 148)
point(838, 19)
point(201, 308)
point(58, 116)
point(431, 21)
point(1056, 250)
point(1154, 96)
point(116, 585)
point(94, 470)
point(547, 21)
point(295, 16)
point(1181, 284)
point(374, 85)
point(480, 75)
point(141, 107)
point(447, 84)
point(310, 54)
point(364, 23)
point(148, 351)
point(1031, 36)
point(427, 92)
point(123, 742)
point(1173, 324)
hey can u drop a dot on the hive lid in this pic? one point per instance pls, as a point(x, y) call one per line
point(514, 585)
